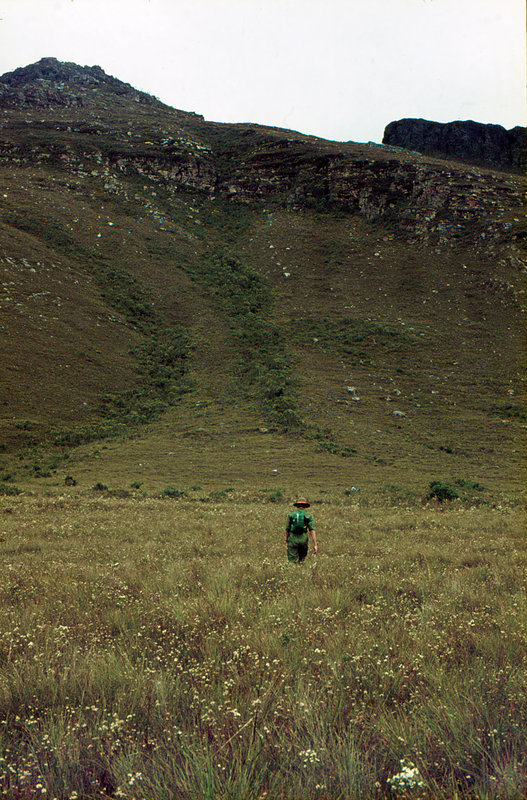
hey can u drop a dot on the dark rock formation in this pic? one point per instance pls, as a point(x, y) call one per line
point(474, 142)
point(50, 82)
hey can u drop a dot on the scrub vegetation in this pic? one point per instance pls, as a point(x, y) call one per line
point(163, 648)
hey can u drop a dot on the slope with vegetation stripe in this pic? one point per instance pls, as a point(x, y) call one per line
point(158, 268)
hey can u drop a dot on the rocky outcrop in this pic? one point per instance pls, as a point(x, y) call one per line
point(474, 142)
point(50, 83)
point(423, 201)
point(174, 170)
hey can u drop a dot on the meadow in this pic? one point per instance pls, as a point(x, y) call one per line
point(157, 648)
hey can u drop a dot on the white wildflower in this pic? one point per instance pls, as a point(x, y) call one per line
point(310, 757)
point(407, 779)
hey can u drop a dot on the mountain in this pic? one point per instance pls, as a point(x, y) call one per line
point(187, 302)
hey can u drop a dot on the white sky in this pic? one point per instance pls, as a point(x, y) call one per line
point(341, 69)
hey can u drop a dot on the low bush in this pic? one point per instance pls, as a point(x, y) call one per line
point(441, 491)
point(9, 490)
point(470, 485)
point(171, 491)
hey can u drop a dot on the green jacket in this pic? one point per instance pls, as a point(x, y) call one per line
point(309, 524)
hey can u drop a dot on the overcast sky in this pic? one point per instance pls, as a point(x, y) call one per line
point(341, 69)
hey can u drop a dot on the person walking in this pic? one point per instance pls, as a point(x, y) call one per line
point(299, 523)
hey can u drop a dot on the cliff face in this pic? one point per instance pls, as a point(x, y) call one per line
point(430, 201)
point(474, 142)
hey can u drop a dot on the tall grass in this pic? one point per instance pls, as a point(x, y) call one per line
point(158, 648)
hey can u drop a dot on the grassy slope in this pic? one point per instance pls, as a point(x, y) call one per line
point(425, 338)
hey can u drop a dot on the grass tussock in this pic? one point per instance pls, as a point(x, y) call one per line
point(153, 649)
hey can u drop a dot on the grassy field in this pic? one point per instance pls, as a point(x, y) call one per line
point(163, 648)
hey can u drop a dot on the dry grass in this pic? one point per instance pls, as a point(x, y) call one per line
point(164, 649)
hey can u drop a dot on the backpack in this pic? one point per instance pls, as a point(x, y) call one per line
point(297, 524)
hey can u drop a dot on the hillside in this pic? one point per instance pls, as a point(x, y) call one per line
point(236, 306)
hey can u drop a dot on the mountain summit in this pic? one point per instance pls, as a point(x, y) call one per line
point(50, 82)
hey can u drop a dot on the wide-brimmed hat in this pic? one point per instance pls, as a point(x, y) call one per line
point(301, 502)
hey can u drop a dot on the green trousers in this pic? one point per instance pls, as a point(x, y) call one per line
point(297, 550)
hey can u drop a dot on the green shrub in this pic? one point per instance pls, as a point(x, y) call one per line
point(25, 425)
point(9, 490)
point(171, 491)
point(100, 487)
point(219, 494)
point(441, 491)
point(470, 485)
